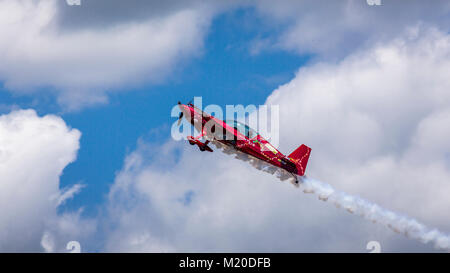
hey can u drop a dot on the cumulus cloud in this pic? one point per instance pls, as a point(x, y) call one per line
point(377, 123)
point(33, 153)
point(66, 228)
point(174, 198)
point(334, 29)
point(188, 204)
point(98, 14)
point(81, 64)
point(83, 53)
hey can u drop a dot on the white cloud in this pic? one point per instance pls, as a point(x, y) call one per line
point(377, 123)
point(174, 198)
point(82, 64)
point(68, 227)
point(334, 29)
point(33, 153)
point(69, 193)
point(82, 54)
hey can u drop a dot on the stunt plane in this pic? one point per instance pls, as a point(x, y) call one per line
point(242, 138)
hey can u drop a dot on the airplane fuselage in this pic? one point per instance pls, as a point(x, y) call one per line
point(214, 129)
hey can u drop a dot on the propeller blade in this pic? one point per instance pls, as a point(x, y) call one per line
point(179, 119)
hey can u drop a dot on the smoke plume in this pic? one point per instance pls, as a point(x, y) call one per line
point(407, 226)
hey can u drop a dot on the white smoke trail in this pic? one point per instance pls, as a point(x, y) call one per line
point(409, 227)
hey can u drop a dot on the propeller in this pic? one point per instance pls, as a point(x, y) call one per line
point(180, 117)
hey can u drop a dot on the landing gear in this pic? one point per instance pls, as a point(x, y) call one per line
point(202, 146)
point(205, 147)
point(295, 181)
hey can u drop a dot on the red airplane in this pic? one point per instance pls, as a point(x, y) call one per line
point(242, 138)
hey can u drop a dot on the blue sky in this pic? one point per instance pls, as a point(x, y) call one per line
point(365, 86)
point(224, 73)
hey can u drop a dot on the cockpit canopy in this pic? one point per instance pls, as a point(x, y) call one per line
point(242, 128)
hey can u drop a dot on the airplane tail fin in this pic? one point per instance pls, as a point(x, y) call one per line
point(300, 156)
